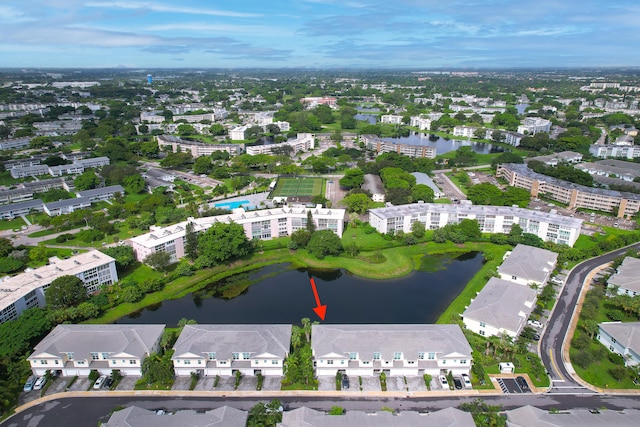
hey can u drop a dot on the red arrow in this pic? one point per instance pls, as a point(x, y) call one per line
point(321, 310)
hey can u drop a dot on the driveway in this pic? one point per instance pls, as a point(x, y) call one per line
point(248, 383)
point(181, 383)
point(396, 384)
point(272, 383)
point(417, 383)
point(226, 384)
point(128, 383)
point(327, 383)
point(368, 383)
point(205, 384)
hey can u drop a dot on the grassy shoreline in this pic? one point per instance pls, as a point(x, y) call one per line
point(398, 262)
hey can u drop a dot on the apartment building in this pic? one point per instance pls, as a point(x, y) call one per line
point(618, 151)
point(513, 138)
point(237, 134)
point(534, 125)
point(378, 145)
point(391, 119)
point(313, 101)
point(15, 143)
point(71, 350)
point(367, 350)
point(465, 131)
point(303, 142)
point(196, 148)
point(491, 219)
point(420, 123)
point(14, 210)
point(211, 350)
point(556, 158)
point(260, 224)
point(27, 290)
point(573, 195)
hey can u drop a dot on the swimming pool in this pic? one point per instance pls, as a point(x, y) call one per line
point(233, 205)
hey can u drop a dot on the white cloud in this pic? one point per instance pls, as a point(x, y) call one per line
point(158, 7)
point(258, 30)
point(13, 15)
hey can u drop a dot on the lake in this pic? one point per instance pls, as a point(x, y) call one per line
point(444, 145)
point(279, 294)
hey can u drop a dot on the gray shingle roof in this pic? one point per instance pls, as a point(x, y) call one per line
point(37, 203)
point(499, 304)
point(102, 190)
point(134, 416)
point(627, 275)
point(67, 202)
point(227, 339)
point(305, 417)
point(387, 339)
point(82, 340)
point(528, 262)
point(627, 333)
point(529, 416)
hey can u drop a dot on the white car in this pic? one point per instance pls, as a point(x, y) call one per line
point(99, 382)
point(443, 381)
point(40, 382)
point(535, 324)
point(556, 281)
point(466, 381)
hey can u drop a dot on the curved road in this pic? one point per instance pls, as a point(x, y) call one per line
point(552, 341)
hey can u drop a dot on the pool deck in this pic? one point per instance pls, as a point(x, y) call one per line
point(253, 199)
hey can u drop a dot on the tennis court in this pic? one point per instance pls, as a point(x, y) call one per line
point(295, 187)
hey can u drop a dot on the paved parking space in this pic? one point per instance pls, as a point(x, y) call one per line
point(416, 383)
point(80, 384)
point(396, 384)
point(272, 383)
point(181, 383)
point(205, 384)
point(128, 382)
point(327, 383)
point(248, 383)
point(226, 384)
point(368, 383)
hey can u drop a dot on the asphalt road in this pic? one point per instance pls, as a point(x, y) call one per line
point(88, 411)
point(554, 335)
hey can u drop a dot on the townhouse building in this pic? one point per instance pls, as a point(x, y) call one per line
point(367, 350)
point(373, 184)
point(260, 224)
point(500, 308)
point(14, 210)
point(626, 279)
point(15, 143)
point(528, 266)
point(15, 196)
point(29, 171)
point(530, 416)
point(211, 350)
point(622, 338)
point(598, 169)
point(573, 195)
point(71, 350)
point(101, 194)
point(424, 179)
point(66, 206)
point(28, 289)
point(134, 416)
point(491, 219)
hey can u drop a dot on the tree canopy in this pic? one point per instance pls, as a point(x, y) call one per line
point(222, 242)
point(323, 243)
point(66, 291)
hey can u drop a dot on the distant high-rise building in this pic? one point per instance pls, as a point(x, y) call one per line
point(149, 78)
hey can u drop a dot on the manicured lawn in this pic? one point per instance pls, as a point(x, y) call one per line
point(12, 224)
point(366, 242)
point(443, 201)
point(134, 197)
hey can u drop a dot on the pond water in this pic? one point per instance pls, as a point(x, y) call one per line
point(444, 145)
point(280, 295)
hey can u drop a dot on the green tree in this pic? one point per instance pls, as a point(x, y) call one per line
point(122, 254)
point(86, 181)
point(358, 202)
point(484, 194)
point(217, 130)
point(352, 178)
point(202, 165)
point(158, 260)
point(222, 242)
point(186, 130)
point(300, 238)
point(470, 228)
point(65, 291)
point(157, 369)
point(265, 414)
point(40, 253)
point(418, 229)
point(422, 192)
point(191, 241)
point(135, 183)
point(323, 243)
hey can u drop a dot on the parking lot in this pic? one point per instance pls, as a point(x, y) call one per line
point(513, 385)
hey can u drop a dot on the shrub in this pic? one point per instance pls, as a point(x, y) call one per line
point(582, 358)
point(336, 410)
point(615, 315)
point(616, 358)
point(94, 375)
point(618, 373)
point(581, 341)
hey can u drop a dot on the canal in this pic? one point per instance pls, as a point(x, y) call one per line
point(278, 294)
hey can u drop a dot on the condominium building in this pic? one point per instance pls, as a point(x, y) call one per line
point(27, 290)
point(555, 158)
point(237, 134)
point(606, 151)
point(573, 195)
point(533, 125)
point(14, 210)
point(260, 224)
point(491, 219)
point(392, 119)
point(465, 131)
point(196, 148)
point(15, 143)
point(420, 123)
point(313, 101)
point(378, 145)
point(303, 142)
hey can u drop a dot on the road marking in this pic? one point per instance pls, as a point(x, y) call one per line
point(553, 364)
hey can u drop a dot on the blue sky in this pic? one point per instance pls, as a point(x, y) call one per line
point(417, 34)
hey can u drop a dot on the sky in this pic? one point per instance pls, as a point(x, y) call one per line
point(412, 34)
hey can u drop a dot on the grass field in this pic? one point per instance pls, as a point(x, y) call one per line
point(291, 187)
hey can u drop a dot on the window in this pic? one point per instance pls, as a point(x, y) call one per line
point(329, 362)
point(432, 356)
point(481, 333)
point(105, 355)
point(397, 355)
point(421, 356)
point(199, 362)
point(274, 362)
point(186, 362)
point(514, 277)
point(463, 361)
point(482, 324)
point(235, 356)
point(94, 356)
point(444, 361)
point(353, 356)
point(132, 362)
point(212, 355)
point(376, 355)
point(70, 356)
point(246, 356)
point(613, 340)
point(43, 362)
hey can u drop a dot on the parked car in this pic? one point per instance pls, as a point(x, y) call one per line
point(457, 383)
point(535, 324)
point(557, 281)
point(99, 382)
point(108, 382)
point(443, 381)
point(40, 382)
point(345, 382)
point(522, 382)
point(466, 380)
point(28, 386)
